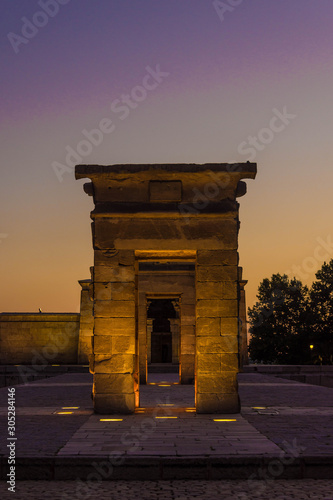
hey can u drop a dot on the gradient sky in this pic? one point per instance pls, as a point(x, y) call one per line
point(227, 74)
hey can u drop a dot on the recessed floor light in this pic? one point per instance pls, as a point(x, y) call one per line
point(166, 417)
point(111, 419)
point(225, 420)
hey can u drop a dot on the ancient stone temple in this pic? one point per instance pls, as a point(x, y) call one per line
point(166, 286)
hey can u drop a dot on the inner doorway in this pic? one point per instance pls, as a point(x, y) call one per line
point(161, 311)
point(163, 334)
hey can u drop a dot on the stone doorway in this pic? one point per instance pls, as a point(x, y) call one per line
point(157, 213)
point(163, 333)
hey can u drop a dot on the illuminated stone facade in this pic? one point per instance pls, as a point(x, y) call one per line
point(167, 233)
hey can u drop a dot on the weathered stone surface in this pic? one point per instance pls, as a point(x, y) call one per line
point(188, 347)
point(113, 404)
point(229, 326)
point(225, 383)
point(114, 326)
point(229, 344)
point(188, 331)
point(123, 344)
point(113, 383)
point(226, 344)
point(208, 363)
point(115, 273)
point(172, 233)
point(109, 257)
point(116, 363)
point(208, 326)
point(187, 373)
point(123, 291)
point(209, 290)
point(188, 314)
point(229, 290)
point(40, 338)
point(165, 191)
point(102, 291)
point(217, 257)
point(229, 362)
point(114, 308)
point(217, 273)
point(216, 308)
point(102, 344)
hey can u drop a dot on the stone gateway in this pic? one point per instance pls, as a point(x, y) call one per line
point(166, 286)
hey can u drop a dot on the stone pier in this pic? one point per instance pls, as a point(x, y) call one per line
point(169, 233)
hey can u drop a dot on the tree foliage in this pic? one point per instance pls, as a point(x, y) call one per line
point(321, 304)
point(277, 321)
point(288, 318)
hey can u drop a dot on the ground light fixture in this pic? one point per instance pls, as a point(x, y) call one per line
point(225, 419)
point(166, 417)
point(65, 412)
point(111, 419)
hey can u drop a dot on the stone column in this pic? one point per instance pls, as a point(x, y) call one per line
point(243, 347)
point(217, 332)
point(187, 342)
point(86, 322)
point(115, 364)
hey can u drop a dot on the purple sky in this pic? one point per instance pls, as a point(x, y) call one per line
point(225, 79)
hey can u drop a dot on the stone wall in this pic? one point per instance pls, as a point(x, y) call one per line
point(36, 338)
point(165, 213)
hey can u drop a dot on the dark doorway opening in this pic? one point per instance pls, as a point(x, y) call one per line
point(161, 311)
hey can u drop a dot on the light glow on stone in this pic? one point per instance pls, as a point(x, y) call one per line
point(166, 417)
point(111, 419)
point(225, 420)
point(65, 412)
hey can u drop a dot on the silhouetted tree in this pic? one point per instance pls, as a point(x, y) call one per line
point(279, 322)
point(321, 303)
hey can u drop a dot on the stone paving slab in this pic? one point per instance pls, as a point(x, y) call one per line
point(280, 420)
point(160, 432)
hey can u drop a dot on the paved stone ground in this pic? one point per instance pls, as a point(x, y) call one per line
point(174, 490)
point(276, 413)
point(293, 412)
point(40, 431)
